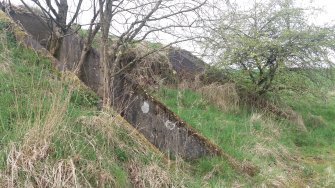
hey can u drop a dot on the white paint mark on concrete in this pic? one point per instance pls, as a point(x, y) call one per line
point(170, 125)
point(145, 107)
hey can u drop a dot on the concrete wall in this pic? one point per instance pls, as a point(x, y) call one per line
point(158, 124)
point(161, 126)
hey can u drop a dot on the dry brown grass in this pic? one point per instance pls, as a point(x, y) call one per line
point(276, 109)
point(224, 96)
point(19, 33)
point(5, 59)
point(154, 69)
point(24, 167)
point(295, 118)
point(315, 121)
point(150, 175)
point(72, 78)
point(29, 163)
point(27, 170)
point(330, 177)
point(196, 84)
point(140, 175)
point(110, 124)
point(154, 176)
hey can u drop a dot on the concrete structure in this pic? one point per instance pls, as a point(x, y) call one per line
point(158, 124)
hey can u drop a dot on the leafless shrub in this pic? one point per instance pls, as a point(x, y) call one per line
point(225, 96)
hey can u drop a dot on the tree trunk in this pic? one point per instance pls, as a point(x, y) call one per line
point(105, 19)
point(105, 78)
point(59, 29)
point(54, 44)
point(83, 56)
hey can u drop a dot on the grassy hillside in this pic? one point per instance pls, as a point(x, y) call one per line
point(286, 156)
point(51, 134)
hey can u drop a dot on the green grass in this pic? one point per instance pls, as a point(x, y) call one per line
point(104, 152)
point(317, 146)
point(264, 141)
point(209, 119)
point(28, 93)
point(45, 114)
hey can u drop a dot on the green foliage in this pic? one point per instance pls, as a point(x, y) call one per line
point(215, 75)
point(313, 82)
point(268, 37)
point(154, 45)
point(10, 38)
point(121, 154)
point(102, 152)
point(84, 98)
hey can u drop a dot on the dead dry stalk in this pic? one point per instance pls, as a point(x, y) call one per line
point(23, 162)
point(224, 96)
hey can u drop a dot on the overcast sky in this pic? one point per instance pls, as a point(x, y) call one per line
point(327, 16)
point(329, 8)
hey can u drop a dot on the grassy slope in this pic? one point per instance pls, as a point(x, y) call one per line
point(52, 136)
point(50, 133)
point(285, 156)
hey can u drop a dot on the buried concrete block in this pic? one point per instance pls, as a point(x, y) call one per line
point(160, 125)
point(156, 122)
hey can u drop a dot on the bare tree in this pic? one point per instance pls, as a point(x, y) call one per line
point(57, 11)
point(125, 23)
point(93, 29)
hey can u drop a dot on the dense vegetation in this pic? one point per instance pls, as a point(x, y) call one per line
point(267, 37)
point(52, 135)
point(286, 156)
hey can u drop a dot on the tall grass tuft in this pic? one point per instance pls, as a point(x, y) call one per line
point(224, 96)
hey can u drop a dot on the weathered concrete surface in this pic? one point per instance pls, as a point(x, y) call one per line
point(185, 63)
point(157, 123)
point(28, 21)
point(161, 126)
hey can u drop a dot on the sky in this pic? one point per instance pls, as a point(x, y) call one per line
point(324, 17)
point(329, 7)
